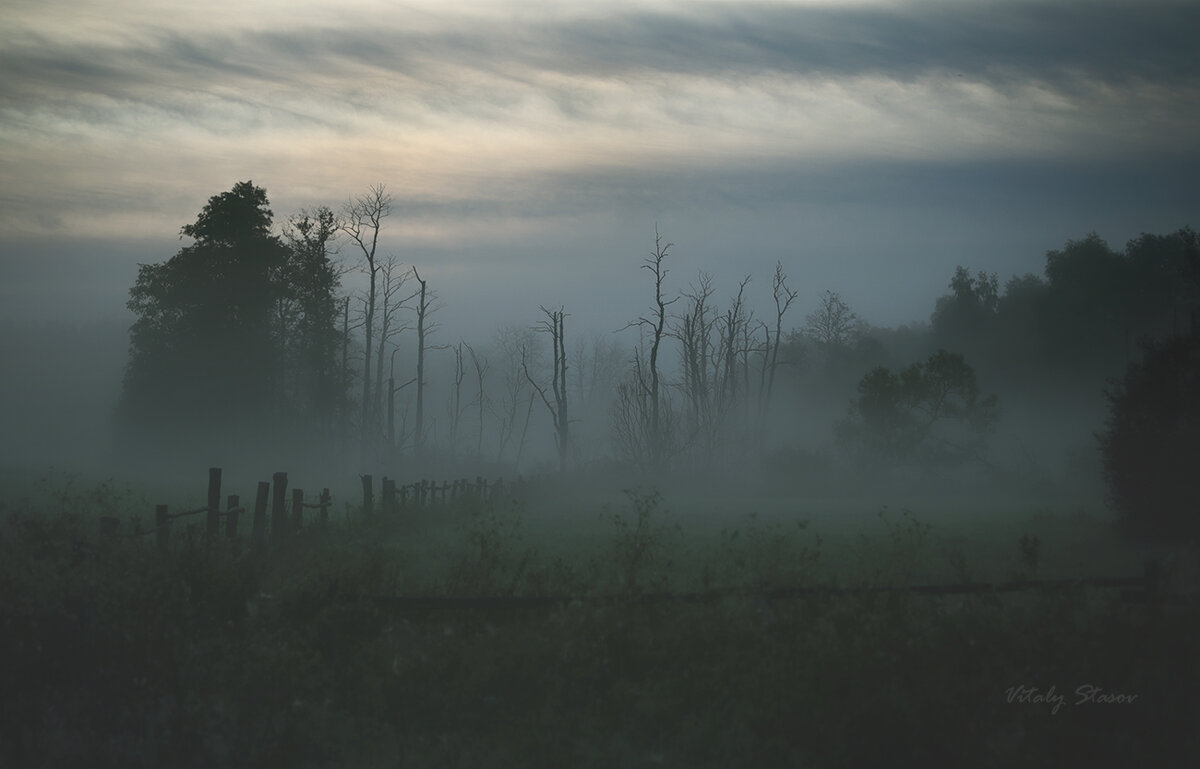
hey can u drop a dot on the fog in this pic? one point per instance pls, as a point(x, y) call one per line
point(773, 416)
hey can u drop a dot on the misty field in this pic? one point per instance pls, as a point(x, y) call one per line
point(311, 655)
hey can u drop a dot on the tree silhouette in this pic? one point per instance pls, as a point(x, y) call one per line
point(928, 412)
point(236, 332)
point(202, 348)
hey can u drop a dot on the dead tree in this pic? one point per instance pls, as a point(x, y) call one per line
point(480, 364)
point(455, 406)
point(425, 326)
point(649, 381)
point(784, 296)
point(393, 280)
point(362, 222)
point(553, 325)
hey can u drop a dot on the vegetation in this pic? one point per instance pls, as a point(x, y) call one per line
point(117, 655)
point(1151, 448)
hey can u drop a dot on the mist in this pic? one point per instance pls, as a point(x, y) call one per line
point(624, 383)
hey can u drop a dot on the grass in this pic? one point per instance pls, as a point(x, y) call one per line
point(116, 655)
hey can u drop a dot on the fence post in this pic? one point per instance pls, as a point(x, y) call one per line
point(389, 497)
point(368, 505)
point(324, 506)
point(231, 516)
point(161, 522)
point(297, 510)
point(214, 502)
point(278, 509)
point(424, 492)
point(260, 515)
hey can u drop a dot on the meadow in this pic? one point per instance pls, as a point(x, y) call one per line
point(314, 655)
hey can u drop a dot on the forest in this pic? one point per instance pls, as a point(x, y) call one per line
point(314, 347)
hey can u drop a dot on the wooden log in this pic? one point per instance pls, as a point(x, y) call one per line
point(161, 522)
point(260, 516)
point(231, 517)
point(211, 521)
point(368, 505)
point(278, 507)
point(297, 510)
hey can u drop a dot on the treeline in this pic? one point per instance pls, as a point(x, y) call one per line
point(248, 338)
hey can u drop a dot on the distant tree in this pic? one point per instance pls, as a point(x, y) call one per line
point(425, 308)
point(1151, 446)
point(647, 384)
point(559, 415)
point(928, 412)
point(783, 295)
point(362, 221)
point(833, 323)
point(204, 357)
point(963, 320)
point(308, 296)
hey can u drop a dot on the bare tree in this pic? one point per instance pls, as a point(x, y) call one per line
point(648, 377)
point(833, 324)
point(694, 331)
point(362, 221)
point(455, 407)
point(392, 279)
point(425, 326)
point(512, 343)
point(481, 365)
point(784, 296)
point(553, 325)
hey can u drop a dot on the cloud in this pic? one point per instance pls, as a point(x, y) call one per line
point(111, 114)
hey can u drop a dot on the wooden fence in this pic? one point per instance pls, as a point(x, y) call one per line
point(1149, 587)
point(426, 493)
point(287, 517)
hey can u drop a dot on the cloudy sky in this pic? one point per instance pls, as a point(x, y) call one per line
point(532, 147)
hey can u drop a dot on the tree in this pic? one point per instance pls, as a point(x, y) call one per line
point(783, 296)
point(309, 298)
point(553, 325)
point(962, 320)
point(425, 326)
point(833, 323)
point(647, 385)
point(203, 347)
point(929, 412)
point(1150, 449)
point(363, 222)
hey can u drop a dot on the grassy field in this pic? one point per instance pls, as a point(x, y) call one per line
point(117, 655)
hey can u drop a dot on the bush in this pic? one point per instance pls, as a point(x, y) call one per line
point(1151, 448)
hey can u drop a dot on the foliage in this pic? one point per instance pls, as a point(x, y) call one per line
point(234, 327)
point(1151, 447)
point(928, 412)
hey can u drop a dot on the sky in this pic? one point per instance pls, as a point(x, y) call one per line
point(533, 147)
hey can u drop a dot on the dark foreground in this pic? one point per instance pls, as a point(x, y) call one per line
point(208, 656)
